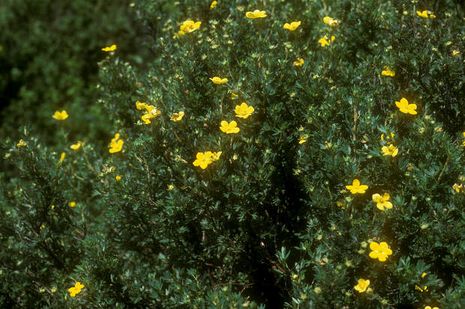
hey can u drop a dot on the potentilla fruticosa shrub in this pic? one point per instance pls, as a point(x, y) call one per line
point(288, 154)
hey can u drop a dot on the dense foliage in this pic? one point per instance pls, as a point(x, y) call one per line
point(317, 164)
point(48, 60)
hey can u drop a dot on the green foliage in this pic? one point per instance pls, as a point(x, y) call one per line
point(48, 61)
point(271, 223)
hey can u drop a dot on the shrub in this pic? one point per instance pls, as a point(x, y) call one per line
point(191, 211)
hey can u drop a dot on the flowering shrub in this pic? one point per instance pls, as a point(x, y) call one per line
point(279, 154)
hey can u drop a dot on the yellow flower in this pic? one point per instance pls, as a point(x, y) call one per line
point(388, 72)
point(213, 5)
point(382, 202)
point(243, 110)
point(76, 146)
point(356, 187)
point(389, 136)
point(188, 26)
point(429, 307)
point(303, 139)
point(458, 187)
point(380, 251)
point(229, 128)
point(292, 26)
point(72, 204)
point(390, 150)
point(177, 116)
point(62, 157)
point(330, 21)
point(299, 62)
point(147, 118)
point(116, 144)
point(151, 113)
point(405, 107)
point(423, 275)
point(118, 177)
point(218, 80)
point(234, 96)
point(76, 289)
point(362, 285)
point(60, 115)
point(328, 145)
point(455, 52)
point(421, 289)
point(110, 48)
point(324, 41)
point(426, 14)
point(141, 105)
point(203, 159)
point(21, 143)
point(255, 14)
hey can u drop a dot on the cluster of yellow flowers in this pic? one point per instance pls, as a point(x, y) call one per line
point(189, 25)
point(61, 115)
point(326, 40)
point(380, 251)
point(243, 111)
point(150, 112)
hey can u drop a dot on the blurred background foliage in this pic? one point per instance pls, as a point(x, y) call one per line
point(49, 60)
point(270, 223)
